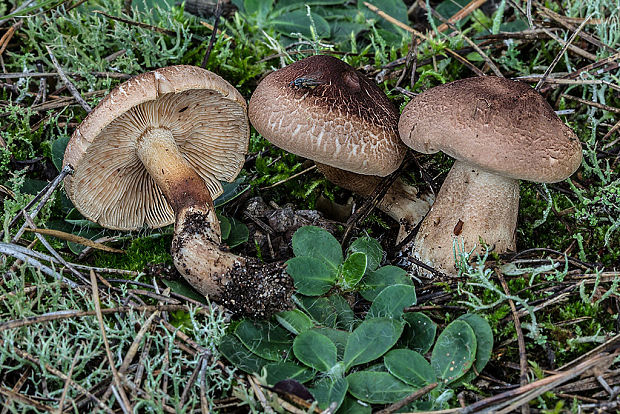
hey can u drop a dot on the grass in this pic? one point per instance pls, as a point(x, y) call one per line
point(562, 283)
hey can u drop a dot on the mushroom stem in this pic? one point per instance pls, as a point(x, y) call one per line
point(243, 285)
point(401, 201)
point(471, 202)
point(179, 182)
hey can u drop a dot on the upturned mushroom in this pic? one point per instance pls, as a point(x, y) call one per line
point(323, 109)
point(152, 153)
point(499, 131)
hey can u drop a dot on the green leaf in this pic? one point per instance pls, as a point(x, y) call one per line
point(353, 269)
point(419, 332)
point(320, 309)
point(266, 340)
point(318, 243)
point(394, 8)
point(345, 318)
point(260, 7)
point(484, 343)
point(326, 391)
point(385, 276)
point(224, 226)
point(310, 275)
point(354, 406)
point(295, 321)
point(58, 151)
point(371, 247)
point(315, 350)
point(279, 371)
point(410, 367)
point(239, 233)
point(241, 357)
point(181, 287)
point(392, 301)
point(377, 387)
point(298, 21)
point(338, 337)
point(231, 191)
point(373, 338)
point(454, 352)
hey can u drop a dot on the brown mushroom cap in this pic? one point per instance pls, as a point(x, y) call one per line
point(492, 123)
point(346, 121)
point(207, 118)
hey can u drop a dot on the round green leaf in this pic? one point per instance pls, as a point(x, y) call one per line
point(241, 357)
point(354, 406)
point(310, 275)
point(315, 350)
point(224, 226)
point(238, 234)
point(298, 21)
point(484, 342)
point(419, 333)
point(375, 282)
point(371, 339)
point(294, 321)
point(266, 340)
point(353, 269)
point(392, 301)
point(454, 352)
point(338, 337)
point(279, 371)
point(58, 151)
point(377, 387)
point(410, 367)
point(316, 242)
point(371, 247)
point(326, 391)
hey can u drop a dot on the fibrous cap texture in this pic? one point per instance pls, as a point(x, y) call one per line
point(323, 109)
point(496, 124)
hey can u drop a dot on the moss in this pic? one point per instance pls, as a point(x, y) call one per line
point(138, 253)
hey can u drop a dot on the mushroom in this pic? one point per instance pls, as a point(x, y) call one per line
point(152, 153)
point(323, 109)
point(499, 131)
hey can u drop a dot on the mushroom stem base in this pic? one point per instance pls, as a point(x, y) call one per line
point(472, 206)
point(245, 286)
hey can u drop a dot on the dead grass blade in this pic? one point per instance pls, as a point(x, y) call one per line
point(75, 239)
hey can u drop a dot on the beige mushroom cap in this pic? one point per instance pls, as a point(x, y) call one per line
point(346, 121)
point(496, 124)
point(207, 118)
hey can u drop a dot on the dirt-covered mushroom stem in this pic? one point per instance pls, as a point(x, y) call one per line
point(152, 153)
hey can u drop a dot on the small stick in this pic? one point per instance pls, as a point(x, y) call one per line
point(138, 24)
point(68, 83)
point(559, 55)
point(525, 409)
point(260, 395)
point(288, 178)
point(590, 103)
point(192, 380)
point(204, 402)
point(218, 13)
point(41, 74)
point(18, 385)
point(67, 382)
point(408, 399)
point(469, 8)
point(11, 250)
point(574, 48)
point(123, 400)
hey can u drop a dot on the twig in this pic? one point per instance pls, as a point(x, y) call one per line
point(408, 399)
point(421, 35)
point(590, 103)
point(138, 24)
point(469, 8)
point(69, 314)
point(204, 402)
point(192, 380)
point(261, 397)
point(68, 83)
point(67, 382)
point(559, 55)
point(41, 74)
point(288, 178)
point(25, 399)
point(218, 13)
point(525, 409)
point(574, 48)
point(123, 400)
point(18, 385)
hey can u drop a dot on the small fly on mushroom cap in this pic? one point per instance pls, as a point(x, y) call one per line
point(323, 109)
point(500, 131)
point(152, 153)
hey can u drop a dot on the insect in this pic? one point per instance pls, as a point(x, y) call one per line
point(307, 83)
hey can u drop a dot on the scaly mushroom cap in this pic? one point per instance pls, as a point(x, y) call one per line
point(323, 109)
point(207, 118)
point(496, 124)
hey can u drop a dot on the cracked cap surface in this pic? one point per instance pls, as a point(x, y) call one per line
point(496, 124)
point(323, 109)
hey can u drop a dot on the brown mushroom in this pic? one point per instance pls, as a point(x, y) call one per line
point(152, 153)
point(323, 109)
point(500, 131)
